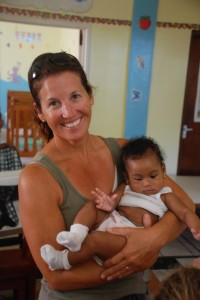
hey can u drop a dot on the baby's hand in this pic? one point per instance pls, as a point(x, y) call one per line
point(196, 234)
point(103, 201)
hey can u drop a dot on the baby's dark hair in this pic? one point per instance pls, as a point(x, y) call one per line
point(136, 148)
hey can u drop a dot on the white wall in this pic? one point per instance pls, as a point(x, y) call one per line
point(109, 61)
point(15, 49)
point(169, 76)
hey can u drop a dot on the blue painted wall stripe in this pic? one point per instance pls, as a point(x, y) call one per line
point(140, 64)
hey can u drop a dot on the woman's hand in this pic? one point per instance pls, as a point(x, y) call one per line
point(139, 253)
point(143, 245)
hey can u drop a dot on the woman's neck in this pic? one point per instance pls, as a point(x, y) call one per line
point(78, 148)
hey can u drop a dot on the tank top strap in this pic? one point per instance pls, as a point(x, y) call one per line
point(115, 150)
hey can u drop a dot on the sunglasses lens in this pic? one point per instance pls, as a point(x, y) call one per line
point(56, 58)
point(36, 68)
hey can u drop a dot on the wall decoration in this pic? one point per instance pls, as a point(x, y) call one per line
point(28, 37)
point(197, 101)
point(145, 22)
point(136, 95)
point(67, 5)
point(13, 75)
point(178, 25)
point(140, 62)
point(84, 19)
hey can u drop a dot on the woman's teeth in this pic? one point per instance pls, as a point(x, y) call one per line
point(75, 123)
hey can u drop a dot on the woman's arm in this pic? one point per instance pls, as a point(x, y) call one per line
point(40, 197)
point(143, 245)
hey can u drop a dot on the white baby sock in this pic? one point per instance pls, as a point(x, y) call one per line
point(74, 238)
point(54, 258)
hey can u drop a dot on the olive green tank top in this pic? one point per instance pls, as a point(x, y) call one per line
point(72, 199)
point(72, 203)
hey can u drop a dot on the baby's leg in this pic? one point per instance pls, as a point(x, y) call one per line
point(87, 218)
point(97, 243)
point(54, 258)
point(101, 244)
point(74, 238)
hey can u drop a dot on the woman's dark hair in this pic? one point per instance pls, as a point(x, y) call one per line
point(48, 64)
point(136, 148)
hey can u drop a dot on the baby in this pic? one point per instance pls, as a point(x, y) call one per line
point(144, 201)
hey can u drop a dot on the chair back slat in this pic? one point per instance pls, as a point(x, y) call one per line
point(20, 130)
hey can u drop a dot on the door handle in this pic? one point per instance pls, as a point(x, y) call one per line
point(185, 131)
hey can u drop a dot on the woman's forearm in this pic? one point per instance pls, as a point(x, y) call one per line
point(167, 229)
point(76, 278)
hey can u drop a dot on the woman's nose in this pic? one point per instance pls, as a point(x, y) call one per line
point(67, 111)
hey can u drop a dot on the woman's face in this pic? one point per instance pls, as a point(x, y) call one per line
point(66, 106)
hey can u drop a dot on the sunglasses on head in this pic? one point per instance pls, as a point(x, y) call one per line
point(61, 58)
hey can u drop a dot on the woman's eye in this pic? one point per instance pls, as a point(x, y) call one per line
point(54, 103)
point(76, 96)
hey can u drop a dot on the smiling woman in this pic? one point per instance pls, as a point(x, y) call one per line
point(75, 91)
point(58, 182)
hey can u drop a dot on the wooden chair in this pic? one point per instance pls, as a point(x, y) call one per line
point(20, 131)
point(18, 272)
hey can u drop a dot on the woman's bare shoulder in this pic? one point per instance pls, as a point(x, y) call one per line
point(36, 181)
point(34, 173)
point(31, 169)
point(122, 141)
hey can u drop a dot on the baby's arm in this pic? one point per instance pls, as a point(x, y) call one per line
point(184, 213)
point(108, 202)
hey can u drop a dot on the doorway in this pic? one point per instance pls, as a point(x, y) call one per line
point(189, 145)
point(21, 42)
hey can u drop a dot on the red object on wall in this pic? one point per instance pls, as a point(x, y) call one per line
point(144, 22)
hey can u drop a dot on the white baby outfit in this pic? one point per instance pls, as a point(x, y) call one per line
point(152, 203)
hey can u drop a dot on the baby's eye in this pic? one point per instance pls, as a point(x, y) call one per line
point(138, 179)
point(153, 176)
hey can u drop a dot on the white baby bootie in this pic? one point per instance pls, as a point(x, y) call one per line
point(54, 258)
point(74, 238)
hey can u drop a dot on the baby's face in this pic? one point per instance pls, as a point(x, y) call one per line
point(145, 175)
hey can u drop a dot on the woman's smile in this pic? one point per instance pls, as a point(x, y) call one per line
point(72, 124)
